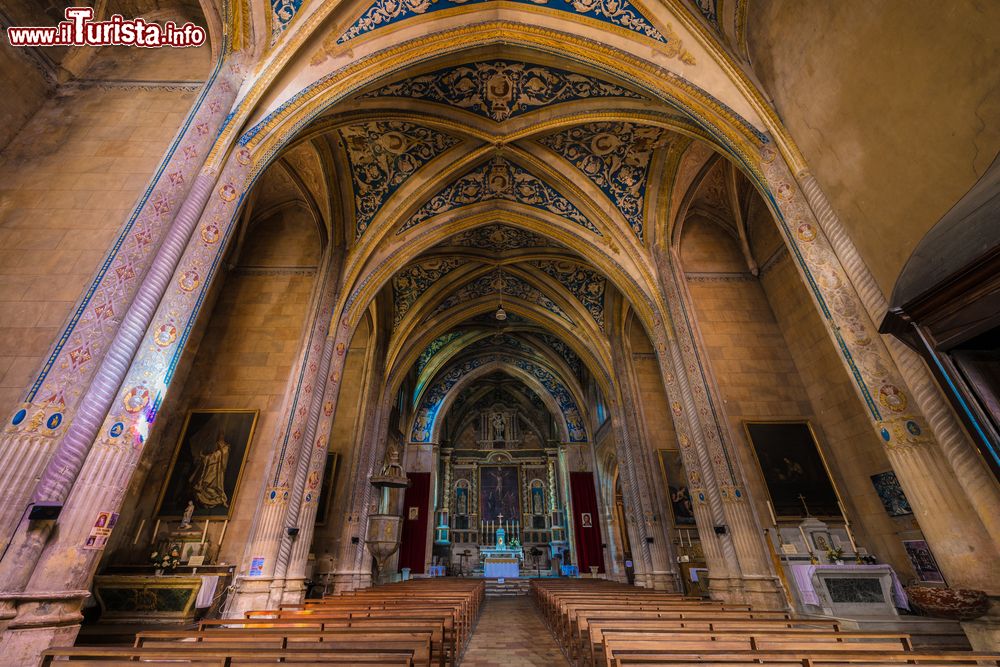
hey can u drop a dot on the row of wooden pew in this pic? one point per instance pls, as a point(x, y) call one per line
point(615, 625)
point(422, 623)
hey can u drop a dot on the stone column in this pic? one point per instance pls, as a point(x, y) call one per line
point(739, 563)
point(964, 459)
point(99, 473)
point(69, 385)
point(634, 468)
point(897, 396)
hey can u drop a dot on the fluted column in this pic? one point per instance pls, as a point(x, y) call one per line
point(897, 395)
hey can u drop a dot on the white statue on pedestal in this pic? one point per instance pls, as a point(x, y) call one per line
point(188, 513)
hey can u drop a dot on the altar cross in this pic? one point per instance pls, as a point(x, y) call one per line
point(802, 498)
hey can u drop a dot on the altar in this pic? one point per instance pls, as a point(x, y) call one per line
point(502, 560)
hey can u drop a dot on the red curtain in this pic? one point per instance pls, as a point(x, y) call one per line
point(588, 537)
point(413, 546)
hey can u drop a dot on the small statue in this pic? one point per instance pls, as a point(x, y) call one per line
point(188, 513)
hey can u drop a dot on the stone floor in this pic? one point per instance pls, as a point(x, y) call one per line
point(511, 632)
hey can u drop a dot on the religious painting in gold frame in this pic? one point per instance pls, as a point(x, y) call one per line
point(676, 484)
point(208, 463)
point(792, 466)
point(499, 492)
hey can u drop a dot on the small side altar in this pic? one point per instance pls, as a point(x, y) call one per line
point(502, 560)
point(134, 594)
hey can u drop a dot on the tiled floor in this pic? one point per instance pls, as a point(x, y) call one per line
point(511, 632)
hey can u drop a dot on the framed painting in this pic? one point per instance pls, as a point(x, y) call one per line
point(208, 463)
point(793, 469)
point(677, 486)
point(923, 561)
point(891, 494)
point(330, 471)
point(499, 492)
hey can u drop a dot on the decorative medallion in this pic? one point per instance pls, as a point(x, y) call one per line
point(136, 398)
point(54, 421)
point(892, 397)
point(228, 192)
point(116, 429)
point(210, 233)
point(616, 157)
point(189, 280)
point(165, 335)
point(19, 416)
point(499, 89)
point(243, 156)
point(383, 154)
point(499, 180)
point(805, 232)
point(913, 428)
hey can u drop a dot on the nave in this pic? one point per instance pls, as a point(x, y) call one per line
point(451, 622)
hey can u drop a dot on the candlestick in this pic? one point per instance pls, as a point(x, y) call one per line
point(204, 533)
point(139, 532)
point(770, 509)
point(804, 540)
point(223, 535)
point(156, 529)
point(690, 543)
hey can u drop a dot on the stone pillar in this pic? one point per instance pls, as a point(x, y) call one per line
point(739, 564)
point(964, 459)
point(161, 220)
point(897, 401)
point(651, 541)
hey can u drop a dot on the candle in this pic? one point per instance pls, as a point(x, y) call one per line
point(690, 543)
point(139, 532)
point(156, 529)
point(804, 540)
point(223, 535)
point(850, 536)
point(842, 512)
point(770, 510)
point(204, 533)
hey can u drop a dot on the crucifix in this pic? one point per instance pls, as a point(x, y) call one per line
point(802, 498)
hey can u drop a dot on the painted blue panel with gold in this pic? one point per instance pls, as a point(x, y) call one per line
point(621, 13)
point(499, 89)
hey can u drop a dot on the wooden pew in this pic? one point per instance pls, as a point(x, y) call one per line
point(706, 658)
point(200, 655)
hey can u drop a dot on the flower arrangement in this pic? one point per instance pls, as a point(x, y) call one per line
point(168, 560)
point(834, 555)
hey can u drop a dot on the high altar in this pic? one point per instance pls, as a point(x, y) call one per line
point(502, 560)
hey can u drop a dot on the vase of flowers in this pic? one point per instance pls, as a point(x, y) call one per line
point(166, 560)
point(835, 556)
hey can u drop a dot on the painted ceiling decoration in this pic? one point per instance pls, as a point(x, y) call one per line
point(434, 347)
point(709, 9)
point(282, 13)
point(586, 284)
point(500, 238)
point(499, 179)
point(500, 90)
point(564, 351)
point(434, 397)
point(383, 154)
point(614, 155)
point(621, 13)
point(511, 286)
point(410, 283)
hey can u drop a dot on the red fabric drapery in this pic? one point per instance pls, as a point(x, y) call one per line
point(588, 537)
point(413, 543)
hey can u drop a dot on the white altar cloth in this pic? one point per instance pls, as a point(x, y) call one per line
point(802, 575)
point(498, 568)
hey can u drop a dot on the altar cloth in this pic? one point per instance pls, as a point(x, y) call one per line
point(497, 568)
point(206, 594)
point(802, 576)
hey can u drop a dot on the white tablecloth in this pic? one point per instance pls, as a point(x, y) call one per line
point(209, 582)
point(498, 570)
point(802, 576)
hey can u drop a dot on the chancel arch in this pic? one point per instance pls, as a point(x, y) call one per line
point(561, 266)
